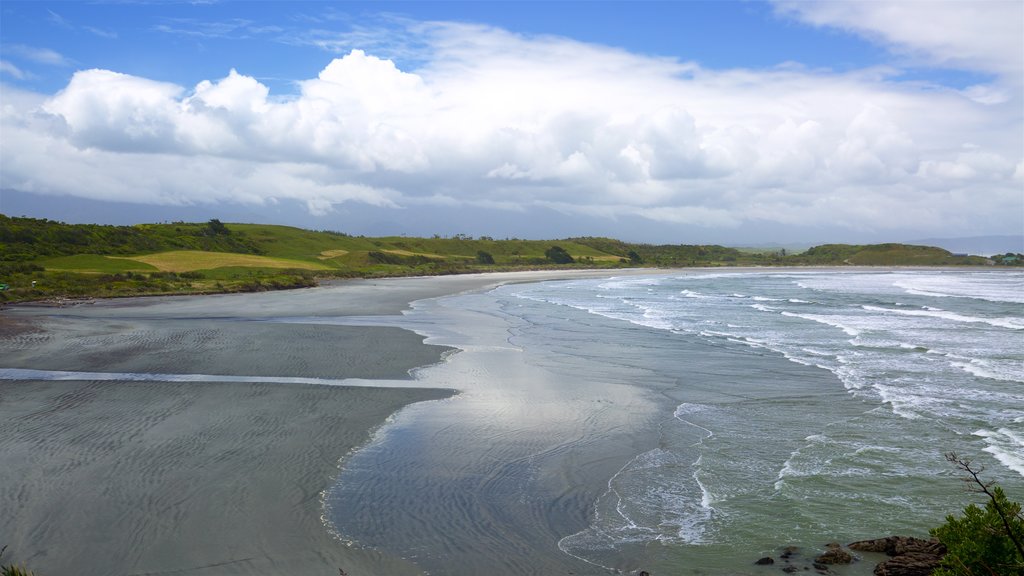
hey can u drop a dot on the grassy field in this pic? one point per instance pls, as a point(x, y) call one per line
point(192, 260)
point(96, 264)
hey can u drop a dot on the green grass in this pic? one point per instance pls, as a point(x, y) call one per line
point(190, 260)
point(95, 263)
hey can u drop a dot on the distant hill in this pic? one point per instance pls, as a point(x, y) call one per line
point(883, 255)
point(977, 245)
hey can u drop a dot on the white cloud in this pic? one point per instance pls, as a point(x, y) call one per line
point(983, 35)
point(108, 34)
point(38, 55)
point(493, 119)
point(9, 68)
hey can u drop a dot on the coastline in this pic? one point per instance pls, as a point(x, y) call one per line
point(208, 442)
point(213, 477)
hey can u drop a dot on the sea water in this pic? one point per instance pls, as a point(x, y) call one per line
point(692, 422)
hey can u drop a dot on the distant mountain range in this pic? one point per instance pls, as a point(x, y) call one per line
point(977, 245)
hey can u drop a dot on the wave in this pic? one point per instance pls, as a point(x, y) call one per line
point(930, 312)
point(1006, 446)
point(983, 369)
point(827, 320)
point(1006, 287)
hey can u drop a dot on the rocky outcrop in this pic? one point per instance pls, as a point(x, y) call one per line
point(909, 556)
point(834, 554)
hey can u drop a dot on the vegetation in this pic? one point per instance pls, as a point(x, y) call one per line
point(11, 569)
point(883, 255)
point(985, 541)
point(558, 255)
point(43, 259)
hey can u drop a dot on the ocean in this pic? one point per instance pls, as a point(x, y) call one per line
point(692, 422)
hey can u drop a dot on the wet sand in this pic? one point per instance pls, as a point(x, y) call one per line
point(111, 478)
point(122, 477)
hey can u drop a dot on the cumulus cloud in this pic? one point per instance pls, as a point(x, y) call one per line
point(503, 121)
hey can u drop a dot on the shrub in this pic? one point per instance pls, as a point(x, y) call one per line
point(558, 255)
point(484, 257)
point(983, 542)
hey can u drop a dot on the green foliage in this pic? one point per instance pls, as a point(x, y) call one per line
point(558, 255)
point(976, 542)
point(882, 255)
point(673, 255)
point(984, 541)
point(215, 228)
point(1008, 259)
point(28, 238)
point(484, 257)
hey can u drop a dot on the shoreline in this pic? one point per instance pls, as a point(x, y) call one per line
point(341, 420)
point(542, 275)
point(92, 465)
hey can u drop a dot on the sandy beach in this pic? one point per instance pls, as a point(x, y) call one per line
point(119, 477)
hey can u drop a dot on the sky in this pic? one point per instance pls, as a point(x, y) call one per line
point(737, 123)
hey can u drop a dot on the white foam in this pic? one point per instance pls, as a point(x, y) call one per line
point(988, 286)
point(1011, 323)
point(841, 322)
point(1006, 446)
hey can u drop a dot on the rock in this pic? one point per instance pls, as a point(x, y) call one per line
point(767, 560)
point(834, 555)
point(910, 556)
point(789, 551)
point(790, 569)
point(895, 545)
point(909, 564)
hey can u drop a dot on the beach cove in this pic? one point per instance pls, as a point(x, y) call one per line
point(204, 434)
point(124, 452)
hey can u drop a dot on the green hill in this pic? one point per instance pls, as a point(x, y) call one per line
point(86, 260)
point(884, 255)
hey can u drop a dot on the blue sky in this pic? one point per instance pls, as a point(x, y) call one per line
point(653, 121)
point(275, 42)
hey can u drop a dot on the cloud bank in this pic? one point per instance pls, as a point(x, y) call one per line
point(492, 119)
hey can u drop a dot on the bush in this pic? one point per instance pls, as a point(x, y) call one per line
point(484, 257)
point(983, 542)
point(558, 255)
